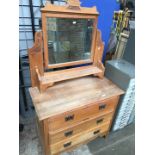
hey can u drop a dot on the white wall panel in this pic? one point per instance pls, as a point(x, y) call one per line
point(25, 21)
point(24, 11)
point(36, 2)
point(36, 11)
point(23, 2)
point(25, 35)
point(25, 45)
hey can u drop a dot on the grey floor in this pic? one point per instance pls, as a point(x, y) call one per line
point(121, 142)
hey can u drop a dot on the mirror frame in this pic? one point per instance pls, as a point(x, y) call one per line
point(73, 15)
point(40, 77)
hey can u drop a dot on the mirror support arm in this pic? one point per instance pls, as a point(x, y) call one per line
point(36, 59)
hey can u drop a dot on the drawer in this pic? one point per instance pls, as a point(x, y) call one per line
point(81, 114)
point(55, 137)
point(79, 138)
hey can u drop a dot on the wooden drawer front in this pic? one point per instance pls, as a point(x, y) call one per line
point(79, 138)
point(68, 118)
point(82, 126)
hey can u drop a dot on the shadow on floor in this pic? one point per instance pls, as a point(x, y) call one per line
point(121, 142)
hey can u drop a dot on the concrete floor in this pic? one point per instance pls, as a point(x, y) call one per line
point(121, 142)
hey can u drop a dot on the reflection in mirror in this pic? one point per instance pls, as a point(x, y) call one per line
point(69, 39)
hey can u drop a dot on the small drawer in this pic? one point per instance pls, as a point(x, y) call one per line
point(84, 113)
point(55, 137)
point(79, 138)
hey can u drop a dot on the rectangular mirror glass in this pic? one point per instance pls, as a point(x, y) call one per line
point(69, 39)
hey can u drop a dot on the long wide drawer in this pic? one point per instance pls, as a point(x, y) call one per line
point(79, 138)
point(93, 122)
point(83, 113)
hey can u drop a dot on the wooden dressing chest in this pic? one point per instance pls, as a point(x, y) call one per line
point(74, 112)
point(71, 108)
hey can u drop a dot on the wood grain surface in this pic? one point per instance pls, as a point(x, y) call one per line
point(83, 113)
point(66, 9)
point(72, 94)
point(79, 138)
point(57, 136)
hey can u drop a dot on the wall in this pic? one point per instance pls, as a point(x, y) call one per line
point(106, 9)
point(26, 41)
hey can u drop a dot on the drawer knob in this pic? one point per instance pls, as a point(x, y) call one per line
point(99, 121)
point(96, 132)
point(68, 133)
point(102, 106)
point(69, 118)
point(67, 144)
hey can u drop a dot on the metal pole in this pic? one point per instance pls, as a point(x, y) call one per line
point(22, 83)
point(32, 18)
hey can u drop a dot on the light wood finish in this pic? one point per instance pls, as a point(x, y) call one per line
point(72, 16)
point(40, 131)
point(42, 128)
point(66, 9)
point(71, 148)
point(72, 130)
point(97, 69)
point(81, 98)
point(99, 54)
point(65, 12)
point(73, 63)
point(46, 138)
point(78, 107)
point(85, 135)
point(86, 112)
point(36, 59)
point(50, 78)
point(74, 3)
point(43, 80)
point(72, 94)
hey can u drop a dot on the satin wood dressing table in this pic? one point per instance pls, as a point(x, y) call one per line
point(74, 105)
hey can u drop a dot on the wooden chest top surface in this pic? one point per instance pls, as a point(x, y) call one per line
point(72, 94)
